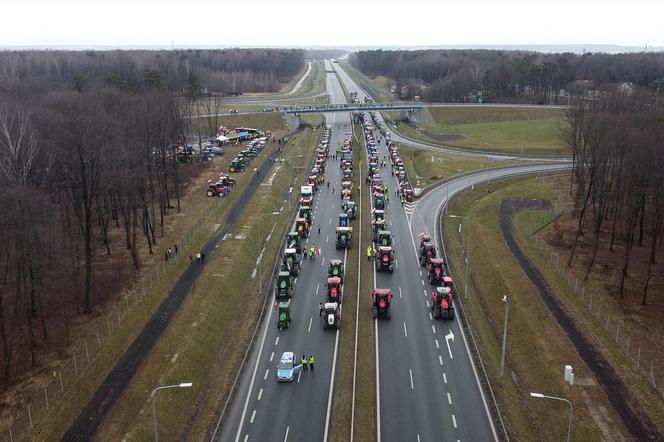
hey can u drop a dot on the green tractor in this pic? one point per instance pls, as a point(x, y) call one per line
point(284, 290)
point(377, 215)
point(335, 268)
point(376, 227)
point(236, 165)
point(291, 262)
point(295, 242)
point(349, 207)
point(284, 315)
point(305, 212)
point(384, 238)
point(344, 235)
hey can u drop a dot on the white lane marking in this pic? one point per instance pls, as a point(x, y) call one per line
point(276, 341)
point(422, 281)
point(295, 282)
point(418, 438)
point(330, 220)
point(298, 377)
point(420, 273)
point(327, 238)
point(288, 428)
point(425, 292)
point(396, 264)
point(405, 332)
point(271, 356)
point(433, 327)
point(323, 262)
point(317, 287)
point(260, 394)
point(411, 379)
point(310, 320)
point(428, 306)
point(267, 371)
point(430, 315)
point(444, 378)
point(454, 421)
point(440, 359)
point(399, 292)
point(253, 415)
point(437, 346)
point(246, 437)
point(449, 399)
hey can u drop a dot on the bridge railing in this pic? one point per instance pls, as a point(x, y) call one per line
point(352, 107)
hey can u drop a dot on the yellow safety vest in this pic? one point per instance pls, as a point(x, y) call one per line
point(311, 360)
point(368, 251)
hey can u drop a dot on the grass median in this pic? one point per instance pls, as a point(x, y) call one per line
point(537, 347)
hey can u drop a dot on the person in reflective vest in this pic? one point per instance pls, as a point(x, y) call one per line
point(311, 362)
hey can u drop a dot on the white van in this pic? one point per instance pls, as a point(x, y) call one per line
point(306, 192)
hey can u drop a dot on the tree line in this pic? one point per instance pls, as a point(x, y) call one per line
point(618, 151)
point(454, 75)
point(90, 166)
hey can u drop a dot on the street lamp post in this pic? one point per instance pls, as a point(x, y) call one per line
point(154, 403)
point(260, 274)
point(465, 288)
point(569, 423)
point(502, 357)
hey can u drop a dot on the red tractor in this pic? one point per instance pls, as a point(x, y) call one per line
point(435, 269)
point(217, 189)
point(334, 289)
point(385, 259)
point(442, 303)
point(381, 300)
point(427, 249)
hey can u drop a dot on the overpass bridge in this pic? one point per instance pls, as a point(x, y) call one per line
point(411, 107)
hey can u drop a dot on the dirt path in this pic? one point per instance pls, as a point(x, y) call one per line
point(627, 407)
point(85, 426)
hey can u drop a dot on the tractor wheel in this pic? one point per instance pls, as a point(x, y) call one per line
point(436, 311)
point(232, 169)
point(431, 281)
point(451, 313)
point(388, 315)
point(210, 193)
point(377, 266)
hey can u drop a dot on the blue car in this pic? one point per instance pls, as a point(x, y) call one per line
point(288, 368)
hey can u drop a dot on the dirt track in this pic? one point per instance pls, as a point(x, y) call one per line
point(85, 426)
point(627, 407)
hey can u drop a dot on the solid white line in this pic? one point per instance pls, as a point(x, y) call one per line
point(260, 394)
point(454, 421)
point(276, 341)
point(437, 346)
point(399, 292)
point(357, 324)
point(271, 356)
point(405, 332)
point(449, 399)
point(310, 320)
point(444, 378)
point(267, 371)
point(411, 379)
point(433, 327)
point(288, 428)
point(253, 415)
point(377, 377)
point(440, 359)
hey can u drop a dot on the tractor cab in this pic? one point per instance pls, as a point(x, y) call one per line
point(217, 189)
point(377, 226)
point(347, 174)
point(305, 212)
point(305, 201)
point(427, 252)
point(236, 165)
point(349, 207)
point(284, 286)
point(343, 220)
point(378, 214)
point(344, 235)
point(284, 318)
point(384, 238)
point(379, 200)
point(435, 269)
point(302, 227)
point(291, 262)
point(408, 194)
point(335, 269)
point(347, 185)
point(447, 281)
point(313, 181)
point(385, 259)
point(295, 242)
point(334, 289)
point(442, 303)
point(346, 194)
point(381, 301)
point(331, 315)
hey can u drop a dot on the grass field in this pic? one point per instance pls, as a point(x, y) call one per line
point(501, 130)
point(378, 87)
point(427, 167)
point(537, 348)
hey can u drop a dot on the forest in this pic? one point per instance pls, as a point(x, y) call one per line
point(618, 151)
point(88, 145)
point(517, 76)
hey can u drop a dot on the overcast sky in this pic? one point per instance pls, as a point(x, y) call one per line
point(306, 23)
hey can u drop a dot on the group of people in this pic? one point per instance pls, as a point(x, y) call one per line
point(307, 362)
point(311, 251)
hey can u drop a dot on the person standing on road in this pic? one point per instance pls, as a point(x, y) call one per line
point(321, 308)
point(303, 360)
point(319, 229)
point(311, 362)
point(369, 253)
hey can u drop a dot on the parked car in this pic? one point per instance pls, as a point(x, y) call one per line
point(215, 150)
point(288, 367)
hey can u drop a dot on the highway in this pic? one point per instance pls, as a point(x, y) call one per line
point(263, 409)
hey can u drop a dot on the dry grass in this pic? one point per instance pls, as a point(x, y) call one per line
point(537, 347)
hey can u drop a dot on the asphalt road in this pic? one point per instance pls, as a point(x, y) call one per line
point(263, 409)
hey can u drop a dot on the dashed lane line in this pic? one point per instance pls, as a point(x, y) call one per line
point(411, 379)
point(253, 415)
point(276, 341)
point(444, 378)
point(437, 345)
point(449, 398)
point(260, 394)
point(433, 328)
point(405, 331)
point(454, 421)
point(310, 320)
point(440, 359)
point(271, 356)
point(267, 371)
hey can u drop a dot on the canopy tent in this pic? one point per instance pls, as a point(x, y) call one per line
point(243, 134)
point(222, 138)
